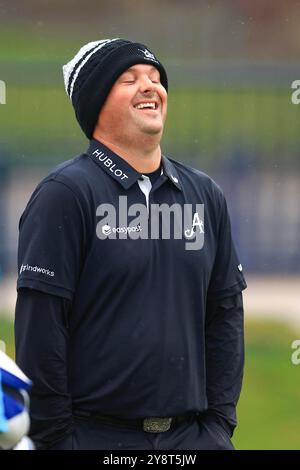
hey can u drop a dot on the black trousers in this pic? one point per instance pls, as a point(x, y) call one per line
point(89, 434)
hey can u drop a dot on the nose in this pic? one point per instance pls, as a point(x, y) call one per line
point(146, 85)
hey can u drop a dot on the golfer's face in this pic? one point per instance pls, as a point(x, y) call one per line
point(137, 103)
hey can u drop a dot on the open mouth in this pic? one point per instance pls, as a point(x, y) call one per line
point(147, 105)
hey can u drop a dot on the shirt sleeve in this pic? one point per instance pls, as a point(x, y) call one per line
point(227, 276)
point(51, 240)
point(42, 339)
point(224, 352)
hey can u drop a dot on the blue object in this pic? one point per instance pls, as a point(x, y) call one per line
point(3, 422)
point(12, 407)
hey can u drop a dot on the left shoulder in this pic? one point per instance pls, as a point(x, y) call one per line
point(199, 179)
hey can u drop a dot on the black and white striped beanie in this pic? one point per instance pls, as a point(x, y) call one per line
point(90, 75)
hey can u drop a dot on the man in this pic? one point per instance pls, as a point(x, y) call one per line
point(129, 318)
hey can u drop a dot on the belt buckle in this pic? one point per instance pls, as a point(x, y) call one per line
point(157, 424)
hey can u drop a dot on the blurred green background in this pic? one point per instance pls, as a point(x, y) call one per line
point(230, 66)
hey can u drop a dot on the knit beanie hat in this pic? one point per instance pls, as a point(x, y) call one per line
point(90, 75)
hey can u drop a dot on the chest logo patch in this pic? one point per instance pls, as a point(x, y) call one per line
point(197, 222)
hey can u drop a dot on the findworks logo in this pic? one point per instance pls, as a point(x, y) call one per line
point(2, 92)
point(36, 269)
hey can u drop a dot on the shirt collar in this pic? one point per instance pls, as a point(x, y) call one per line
point(171, 172)
point(112, 164)
point(120, 170)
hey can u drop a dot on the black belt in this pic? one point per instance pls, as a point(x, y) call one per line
point(152, 424)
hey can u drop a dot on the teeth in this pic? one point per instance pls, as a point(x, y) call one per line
point(145, 105)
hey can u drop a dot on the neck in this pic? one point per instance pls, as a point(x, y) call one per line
point(144, 157)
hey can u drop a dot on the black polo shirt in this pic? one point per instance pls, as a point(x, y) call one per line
point(137, 336)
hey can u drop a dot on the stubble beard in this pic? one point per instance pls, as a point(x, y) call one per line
point(148, 128)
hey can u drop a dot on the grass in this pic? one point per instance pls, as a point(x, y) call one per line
point(268, 409)
point(37, 124)
point(34, 44)
point(7, 334)
point(213, 123)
